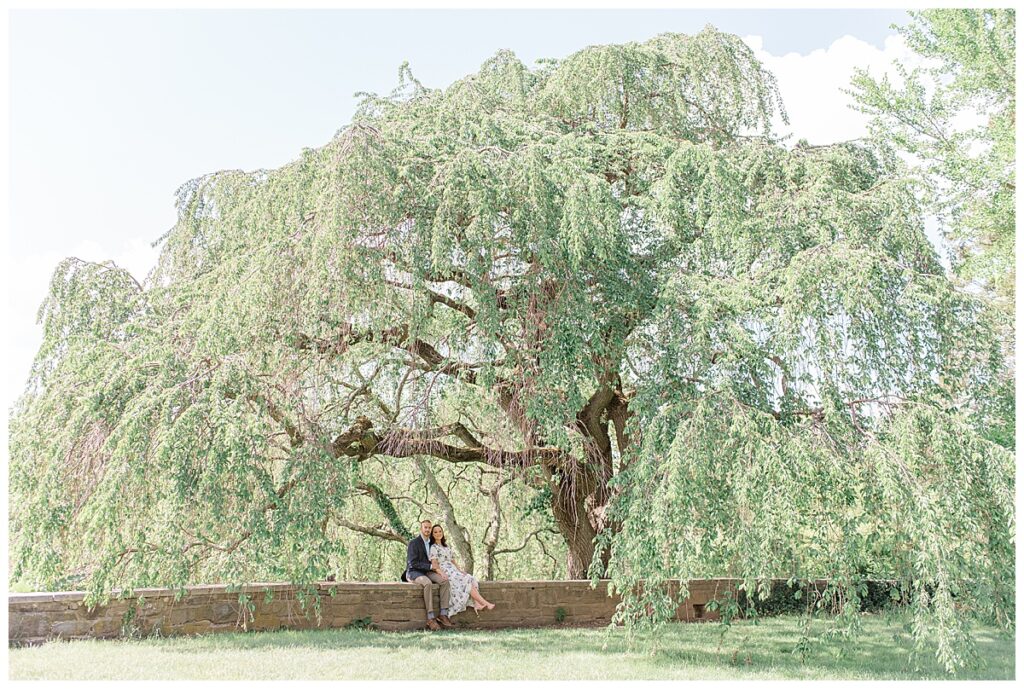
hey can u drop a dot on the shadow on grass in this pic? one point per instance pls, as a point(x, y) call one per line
point(882, 651)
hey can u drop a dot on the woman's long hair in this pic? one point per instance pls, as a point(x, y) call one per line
point(434, 540)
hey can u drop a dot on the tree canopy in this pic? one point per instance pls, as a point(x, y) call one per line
point(603, 279)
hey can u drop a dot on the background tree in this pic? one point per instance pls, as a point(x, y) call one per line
point(967, 168)
point(601, 278)
point(955, 120)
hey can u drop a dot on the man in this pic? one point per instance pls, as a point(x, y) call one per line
point(418, 570)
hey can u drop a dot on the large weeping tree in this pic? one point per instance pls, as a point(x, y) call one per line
point(602, 276)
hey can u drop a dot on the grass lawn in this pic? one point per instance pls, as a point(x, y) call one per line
point(686, 651)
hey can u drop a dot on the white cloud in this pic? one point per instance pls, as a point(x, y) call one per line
point(813, 89)
point(812, 85)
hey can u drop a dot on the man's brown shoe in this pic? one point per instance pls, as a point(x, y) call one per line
point(445, 621)
point(432, 625)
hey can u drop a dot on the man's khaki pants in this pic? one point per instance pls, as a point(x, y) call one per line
point(425, 580)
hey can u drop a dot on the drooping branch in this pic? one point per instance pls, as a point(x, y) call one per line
point(348, 335)
point(438, 298)
point(386, 507)
point(535, 534)
point(459, 277)
point(206, 545)
point(277, 414)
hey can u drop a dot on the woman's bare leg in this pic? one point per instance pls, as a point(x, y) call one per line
point(474, 593)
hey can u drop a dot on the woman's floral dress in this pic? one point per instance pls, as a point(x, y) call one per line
point(459, 584)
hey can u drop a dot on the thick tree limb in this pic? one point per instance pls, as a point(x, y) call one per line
point(593, 424)
point(437, 298)
point(618, 413)
point(818, 412)
point(375, 531)
point(361, 442)
point(397, 336)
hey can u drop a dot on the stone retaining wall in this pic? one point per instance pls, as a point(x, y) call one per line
point(37, 617)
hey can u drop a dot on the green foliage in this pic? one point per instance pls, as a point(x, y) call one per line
point(799, 597)
point(738, 491)
point(360, 623)
point(183, 431)
point(969, 172)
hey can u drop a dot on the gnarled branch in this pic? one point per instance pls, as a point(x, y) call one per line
point(375, 531)
point(361, 442)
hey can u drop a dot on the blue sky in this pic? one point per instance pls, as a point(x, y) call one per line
point(111, 111)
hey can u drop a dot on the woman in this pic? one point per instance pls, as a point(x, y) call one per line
point(463, 586)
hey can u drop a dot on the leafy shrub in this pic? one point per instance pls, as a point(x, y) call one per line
point(361, 623)
point(792, 597)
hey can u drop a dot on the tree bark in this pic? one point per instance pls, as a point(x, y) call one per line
point(453, 530)
point(579, 490)
point(493, 529)
point(574, 497)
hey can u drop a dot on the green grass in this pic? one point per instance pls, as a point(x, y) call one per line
point(685, 651)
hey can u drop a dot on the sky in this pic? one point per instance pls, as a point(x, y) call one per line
point(112, 110)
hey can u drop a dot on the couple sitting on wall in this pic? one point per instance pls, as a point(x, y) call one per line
point(429, 561)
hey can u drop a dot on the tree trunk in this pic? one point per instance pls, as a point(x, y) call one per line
point(493, 529)
point(453, 530)
point(579, 490)
point(577, 505)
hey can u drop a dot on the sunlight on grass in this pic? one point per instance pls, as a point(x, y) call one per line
point(681, 651)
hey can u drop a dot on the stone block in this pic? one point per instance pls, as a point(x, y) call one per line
point(282, 609)
point(83, 612)
point(106, 627)
point(179, 615)
point(347, 599)
point(71, 628)
point(302, 623)
point(196, 627)
point(14, 599)
point(42, 606)
point(222, 612)
point(264, 622)
point(28, 625)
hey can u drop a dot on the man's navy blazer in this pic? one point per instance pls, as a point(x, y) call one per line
point(417, 560)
